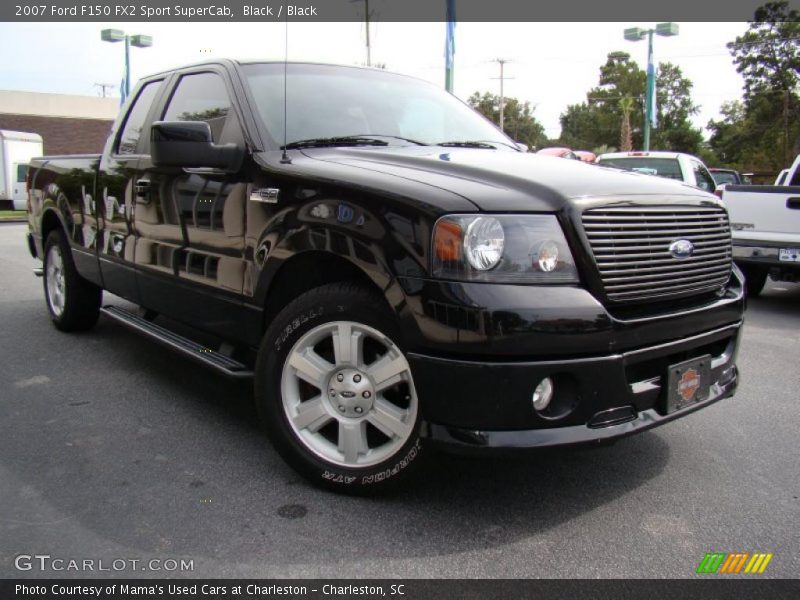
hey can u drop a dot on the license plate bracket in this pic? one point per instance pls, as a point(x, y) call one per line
point(688, 383)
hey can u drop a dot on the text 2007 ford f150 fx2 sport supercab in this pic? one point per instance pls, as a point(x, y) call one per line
point(389, 267)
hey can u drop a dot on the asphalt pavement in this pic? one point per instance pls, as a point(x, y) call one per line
point(111, 447)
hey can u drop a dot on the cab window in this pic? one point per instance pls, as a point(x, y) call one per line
point(203, 97)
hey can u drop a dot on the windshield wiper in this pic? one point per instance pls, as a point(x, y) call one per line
point(468, 144)
point(349, 140)
point(395, 137)
point(479, 144)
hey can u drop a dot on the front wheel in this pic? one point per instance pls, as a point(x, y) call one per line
point(336, 392)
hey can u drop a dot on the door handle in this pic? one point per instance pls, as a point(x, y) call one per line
point(793, 203)
point(142, 187)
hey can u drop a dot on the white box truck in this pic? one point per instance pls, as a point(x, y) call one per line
point(17, 148)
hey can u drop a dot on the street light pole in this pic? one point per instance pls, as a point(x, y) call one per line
point(651, 84)
point(127, 66)
point(139, 41)
point(634, 34)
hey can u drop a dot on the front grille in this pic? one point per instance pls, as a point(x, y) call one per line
point(631, 248)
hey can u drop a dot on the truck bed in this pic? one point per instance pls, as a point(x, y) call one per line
point(767, 213)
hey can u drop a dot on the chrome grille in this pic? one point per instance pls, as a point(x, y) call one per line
point(631, 249)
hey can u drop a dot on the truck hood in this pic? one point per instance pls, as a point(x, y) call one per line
point(496, 180)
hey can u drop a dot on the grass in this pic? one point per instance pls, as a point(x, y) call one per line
point(12, 215)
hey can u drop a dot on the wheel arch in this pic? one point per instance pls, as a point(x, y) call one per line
point(309, 269)
point(51, 220)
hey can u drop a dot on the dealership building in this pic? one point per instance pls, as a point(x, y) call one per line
point(68, 124)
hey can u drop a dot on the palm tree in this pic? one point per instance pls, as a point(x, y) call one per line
point(625, 140)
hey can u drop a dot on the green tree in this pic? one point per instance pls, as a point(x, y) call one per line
point(597, 121)
point(675, 107)
point(763, 131)
point(767, 55)
point(519, 121)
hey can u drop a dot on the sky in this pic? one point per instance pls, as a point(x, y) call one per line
point(551, 65)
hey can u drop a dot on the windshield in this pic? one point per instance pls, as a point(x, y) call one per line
point(721, 177)
point(338, 102)
point(663, 167)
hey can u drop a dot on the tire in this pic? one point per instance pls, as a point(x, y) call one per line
point(72, 301)
point(356, 428)
point(755, 278)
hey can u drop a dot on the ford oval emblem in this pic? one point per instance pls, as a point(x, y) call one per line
point(681, 249)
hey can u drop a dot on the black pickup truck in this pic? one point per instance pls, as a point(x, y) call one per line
point(389, 267)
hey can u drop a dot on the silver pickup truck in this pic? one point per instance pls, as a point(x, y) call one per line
point(765, 220)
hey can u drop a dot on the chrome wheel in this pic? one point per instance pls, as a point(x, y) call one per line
point(348, 394)
point(56, 285)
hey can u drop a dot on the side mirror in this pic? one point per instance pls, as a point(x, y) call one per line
point(189, 144)
point(523, 147)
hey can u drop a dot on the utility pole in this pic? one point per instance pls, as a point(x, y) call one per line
point(502, 78)
point(103, 87)
point(785, 127)
point(366, 25)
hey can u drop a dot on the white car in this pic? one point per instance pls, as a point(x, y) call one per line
point(672, 165)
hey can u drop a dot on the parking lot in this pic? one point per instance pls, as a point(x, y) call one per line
point(112, 447)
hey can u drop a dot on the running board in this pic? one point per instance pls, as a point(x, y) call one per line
point(197, 352)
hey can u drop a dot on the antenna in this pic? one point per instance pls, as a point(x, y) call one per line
point(285, 157)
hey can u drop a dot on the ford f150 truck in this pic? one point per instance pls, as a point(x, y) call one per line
point(766, 229)
point(390, 268)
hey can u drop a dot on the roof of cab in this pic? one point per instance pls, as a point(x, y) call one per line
point(642, 153)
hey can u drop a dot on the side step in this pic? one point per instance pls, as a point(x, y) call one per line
point(197, 352)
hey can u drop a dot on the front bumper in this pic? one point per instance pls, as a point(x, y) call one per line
point(596, 399)
point(477, 352)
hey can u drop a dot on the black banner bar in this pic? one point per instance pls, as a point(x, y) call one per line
point(712, 588)
point(379, 10)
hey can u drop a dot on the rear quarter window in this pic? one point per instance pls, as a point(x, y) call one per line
point(702, 177)
point(135, 121)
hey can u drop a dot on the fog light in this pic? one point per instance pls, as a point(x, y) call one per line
point(543, 394)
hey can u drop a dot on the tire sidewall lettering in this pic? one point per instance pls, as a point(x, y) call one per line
point(381, 475)
point(297, 323)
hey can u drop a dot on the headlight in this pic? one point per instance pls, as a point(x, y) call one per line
point(502, 248)
point(483, 243)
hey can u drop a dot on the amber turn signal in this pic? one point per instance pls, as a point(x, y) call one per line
point(448, 241)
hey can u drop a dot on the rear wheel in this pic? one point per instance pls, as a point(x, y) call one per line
point(336, 391)
point(73, 302)
point(755, 279)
